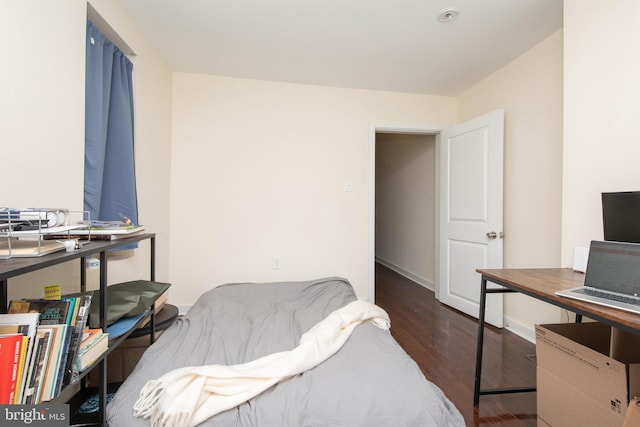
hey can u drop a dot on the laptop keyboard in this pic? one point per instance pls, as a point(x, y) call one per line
point(611, 297)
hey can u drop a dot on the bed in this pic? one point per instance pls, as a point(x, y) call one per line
point(370, 381)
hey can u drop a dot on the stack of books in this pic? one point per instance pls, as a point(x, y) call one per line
point(94, 343)
point(40, 341)
point(99, 230)
point(111, 230)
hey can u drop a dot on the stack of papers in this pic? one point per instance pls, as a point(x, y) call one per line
point(28, 248)
point(111, 232)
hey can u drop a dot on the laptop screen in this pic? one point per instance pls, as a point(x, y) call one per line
point(614, 266)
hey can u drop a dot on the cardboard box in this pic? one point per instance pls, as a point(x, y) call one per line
point(579, 383)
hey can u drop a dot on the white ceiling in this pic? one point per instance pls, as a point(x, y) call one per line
point(366, 44)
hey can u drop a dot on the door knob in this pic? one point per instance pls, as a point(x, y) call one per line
point(492, 235)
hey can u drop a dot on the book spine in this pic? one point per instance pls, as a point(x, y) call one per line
point(30, 386)
point(64, 353)
point(5, 372)
point(70, 312)
point(14, 368)
point(24, 350)
point(71, 369)
point(41, 367)
point(51, 368)
point(76, 307)
point(29, 357)
point(9, 344)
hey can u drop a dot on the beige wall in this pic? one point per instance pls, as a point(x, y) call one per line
point(261, 166)
point(42, 124)
point(405, 205)
point(602, 106)
point(42, 108)
point(258, 172)
point(42, 114)
point(529, 89)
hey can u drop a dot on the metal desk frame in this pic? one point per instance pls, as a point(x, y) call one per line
point(541, 283)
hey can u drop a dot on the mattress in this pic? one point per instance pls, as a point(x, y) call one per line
point(370, 381)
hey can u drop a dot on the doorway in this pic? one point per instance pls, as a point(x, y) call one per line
point(405, 205)
point(411, 134)
point(468, 204)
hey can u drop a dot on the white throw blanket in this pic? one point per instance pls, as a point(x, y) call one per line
point(188, 396)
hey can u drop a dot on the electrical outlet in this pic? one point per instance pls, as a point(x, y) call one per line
point(276, 263)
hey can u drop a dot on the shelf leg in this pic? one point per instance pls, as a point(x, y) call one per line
point(3, 296)
point(152, 321)
point(153, 259)
point(83, 274)
point(102, 392)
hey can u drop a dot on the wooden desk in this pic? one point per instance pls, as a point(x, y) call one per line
point(542, 283)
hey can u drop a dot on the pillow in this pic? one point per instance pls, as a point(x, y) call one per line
point(125, 300)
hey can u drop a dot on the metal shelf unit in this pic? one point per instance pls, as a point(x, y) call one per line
point(13, 267)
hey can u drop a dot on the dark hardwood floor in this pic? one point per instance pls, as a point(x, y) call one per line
point(443, 343)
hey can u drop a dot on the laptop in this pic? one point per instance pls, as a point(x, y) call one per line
point(612, 277)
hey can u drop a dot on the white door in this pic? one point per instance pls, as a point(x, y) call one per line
point(470, 214)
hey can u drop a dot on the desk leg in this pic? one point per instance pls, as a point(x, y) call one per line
point(476, 389)
point(483, 298)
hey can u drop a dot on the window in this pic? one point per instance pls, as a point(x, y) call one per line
point(109, 169)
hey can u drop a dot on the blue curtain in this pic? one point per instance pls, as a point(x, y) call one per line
point(109, 169)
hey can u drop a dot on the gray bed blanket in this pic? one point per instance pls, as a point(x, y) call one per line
point(370, 381)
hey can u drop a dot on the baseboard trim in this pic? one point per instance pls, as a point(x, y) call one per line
point(522, 330)
point(406, 273)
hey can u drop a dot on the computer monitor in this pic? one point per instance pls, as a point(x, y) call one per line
point(621, 216)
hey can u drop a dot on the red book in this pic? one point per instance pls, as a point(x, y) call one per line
point(9, 358)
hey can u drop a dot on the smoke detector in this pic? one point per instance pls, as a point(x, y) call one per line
point(448, 15)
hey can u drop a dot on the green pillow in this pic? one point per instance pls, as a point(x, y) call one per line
point(125, 300)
